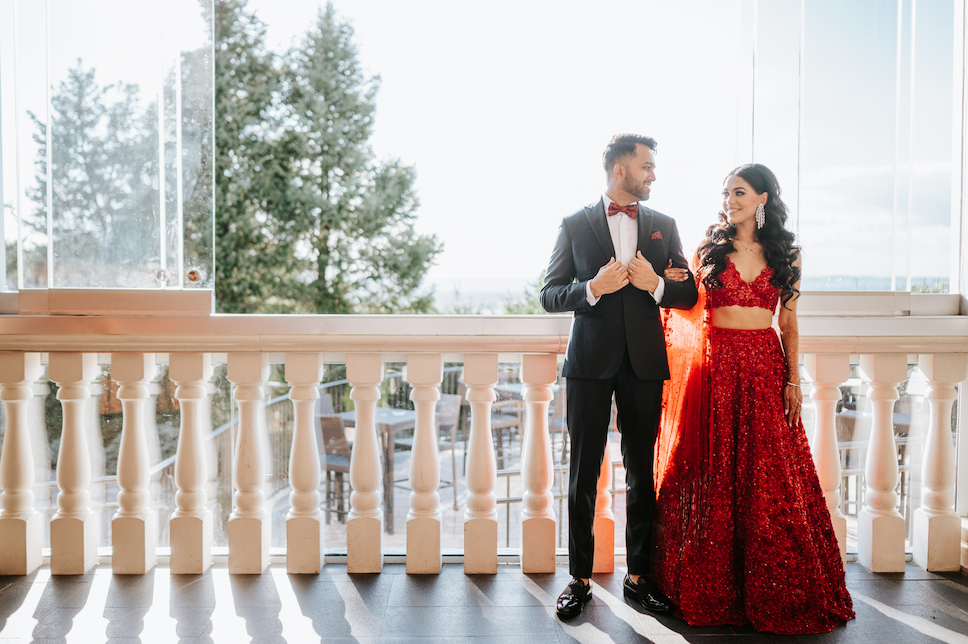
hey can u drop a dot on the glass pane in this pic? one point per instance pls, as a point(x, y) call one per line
point(30, 132)
point(876, 161)
point(129, 87)
point(8, 150)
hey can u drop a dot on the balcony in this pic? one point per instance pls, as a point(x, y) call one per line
point(237, 520)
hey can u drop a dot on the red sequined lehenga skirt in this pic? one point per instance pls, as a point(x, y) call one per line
point(743, 534)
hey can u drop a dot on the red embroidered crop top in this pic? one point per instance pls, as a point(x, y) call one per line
point(735, 292)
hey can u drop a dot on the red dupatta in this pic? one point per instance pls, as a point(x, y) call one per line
point(683, 440)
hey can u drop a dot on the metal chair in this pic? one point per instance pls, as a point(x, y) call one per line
point(334, 451)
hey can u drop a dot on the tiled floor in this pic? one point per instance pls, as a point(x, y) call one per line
point(509, 608)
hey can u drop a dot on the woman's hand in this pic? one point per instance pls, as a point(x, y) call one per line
point(792, 403)
point(675, 274)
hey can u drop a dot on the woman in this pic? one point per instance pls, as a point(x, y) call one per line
point(743, 532)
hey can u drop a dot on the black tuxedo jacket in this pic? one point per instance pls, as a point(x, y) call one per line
point(627, 320)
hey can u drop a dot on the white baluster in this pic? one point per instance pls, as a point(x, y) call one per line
point(539, 372)
point(191, 526)
point(134, 529)
point(936, 529)
point(249, 523)
point(827, 373)
point(20, 525)
point(364, 527)
point(425, 371)
point(74, 529)
point(880, 527)
point(304, 533)
point(604, 557)
point(480, 518)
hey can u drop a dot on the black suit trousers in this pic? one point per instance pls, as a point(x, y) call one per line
point(639, 404)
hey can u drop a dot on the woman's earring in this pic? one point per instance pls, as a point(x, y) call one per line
point(760, 216)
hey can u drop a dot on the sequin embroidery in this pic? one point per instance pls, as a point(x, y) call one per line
point(736, 292)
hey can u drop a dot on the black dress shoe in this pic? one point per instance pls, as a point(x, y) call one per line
point(573, 599)
point(646, 594)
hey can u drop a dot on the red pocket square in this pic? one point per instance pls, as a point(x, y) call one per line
point(657, 235)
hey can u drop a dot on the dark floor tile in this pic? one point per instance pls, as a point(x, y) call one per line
point(340, 609)
point(894, 592)
point(254, 590)
point(130, 590)
point(494, 590)
point(199, 593)
point(618, 622)
point(428, 590)
point(953, 591)
point(448, 621)
point(682, 627)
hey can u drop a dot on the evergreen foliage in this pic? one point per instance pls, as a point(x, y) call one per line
point(307, 220)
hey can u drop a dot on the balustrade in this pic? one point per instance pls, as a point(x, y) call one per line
point(538, 372)
point(425, 371)
point(191, 526)
point(134, 530)
point(304, 534)
point(936, 533)
point(20, 524)
point(75, 529)
point(480, 519)
point(249, 523)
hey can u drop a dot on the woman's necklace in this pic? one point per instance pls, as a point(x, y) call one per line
point(743, 245)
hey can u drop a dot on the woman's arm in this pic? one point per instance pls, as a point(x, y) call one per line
point(790, 339)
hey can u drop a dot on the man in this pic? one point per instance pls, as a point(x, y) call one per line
point(602, 268)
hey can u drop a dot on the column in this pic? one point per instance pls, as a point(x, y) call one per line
point(937, 530)
point(480, 518)
point(249, 523)
point(364, 526)
point(604, 557)
point(74, 529)
point(880, 527)
point(20, 525)
point(425, 371)
point(539, 372)
point(191, 525)
point(304, 532)
point(827, 373)
point(134, 529)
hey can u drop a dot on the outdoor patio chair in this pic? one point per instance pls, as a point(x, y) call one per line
point(334, 451)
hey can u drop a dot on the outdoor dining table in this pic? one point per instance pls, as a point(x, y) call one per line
point(388, 422)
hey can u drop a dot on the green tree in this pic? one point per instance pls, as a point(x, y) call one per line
point(307, 220)
point(529, 302)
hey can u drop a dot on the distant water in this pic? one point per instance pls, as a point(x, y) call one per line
point(483, 296)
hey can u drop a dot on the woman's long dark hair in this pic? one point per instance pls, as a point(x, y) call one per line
point(778, 247)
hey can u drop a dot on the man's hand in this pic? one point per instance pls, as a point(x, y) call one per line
point(642, 275)
point(611, 277)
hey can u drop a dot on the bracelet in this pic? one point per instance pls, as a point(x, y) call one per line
point(793, 384)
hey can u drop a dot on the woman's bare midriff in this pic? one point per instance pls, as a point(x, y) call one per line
point(746, 318)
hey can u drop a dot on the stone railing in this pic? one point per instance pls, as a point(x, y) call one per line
point(189, 344)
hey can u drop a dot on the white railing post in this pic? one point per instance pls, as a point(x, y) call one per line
point(936, 531)
point(826, 373)
point(304, 532)
point(75, 529)
point(603, 560)
point(364, 527)
point(20, 524)
point(134, 529)
point(880, 527)
point(480, 518)
point(425, 371)
point(538, 372)
point(249, 523)
point(191, 527)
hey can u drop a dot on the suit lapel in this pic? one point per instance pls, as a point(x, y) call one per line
point(645, 228)
point(596, 218)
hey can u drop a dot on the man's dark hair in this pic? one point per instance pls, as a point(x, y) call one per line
point(623, 145)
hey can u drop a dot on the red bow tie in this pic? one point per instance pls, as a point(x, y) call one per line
point(631, 210)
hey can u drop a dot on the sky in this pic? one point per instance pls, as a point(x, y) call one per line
point(504, 109)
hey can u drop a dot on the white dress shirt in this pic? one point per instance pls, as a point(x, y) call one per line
point(624, 232)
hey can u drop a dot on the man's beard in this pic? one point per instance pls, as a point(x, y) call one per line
point(640, 191)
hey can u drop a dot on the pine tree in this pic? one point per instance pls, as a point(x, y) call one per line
point(307, 220)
